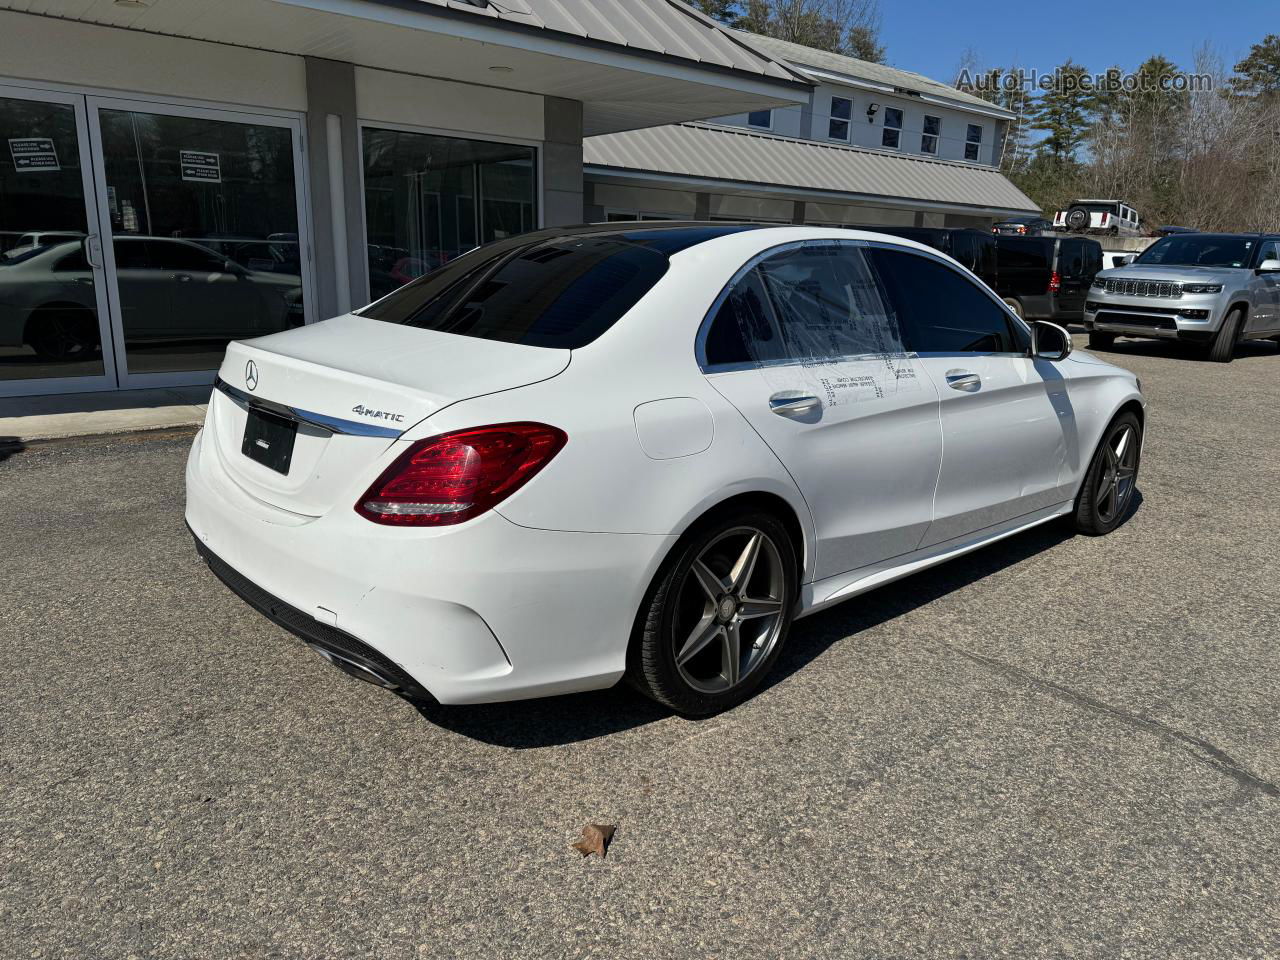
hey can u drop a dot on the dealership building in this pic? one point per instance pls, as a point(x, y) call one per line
point(178, 173)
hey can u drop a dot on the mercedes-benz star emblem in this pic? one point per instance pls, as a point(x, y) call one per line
point(251, 375)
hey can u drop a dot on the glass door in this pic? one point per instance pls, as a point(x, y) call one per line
point(54, 331)
point(202, 211)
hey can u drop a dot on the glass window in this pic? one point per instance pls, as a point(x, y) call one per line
point(892, 135)
point(227, 189)
point(838, 125)
point(1270, 251)
point(817, 301)
point(1199, 250)
point(941, 310)
point(929, 139)
point(563, 292)
point(48, 326)
point(430, 199)
point(973, 141)
point(760, 118)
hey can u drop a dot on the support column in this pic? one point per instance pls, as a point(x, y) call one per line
point(562, 188)
point(339, 260)
point(797, 211)
point(702, 206)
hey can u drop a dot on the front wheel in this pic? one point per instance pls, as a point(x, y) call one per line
point(1109, 485)
point(717, 616)
point(1222, 349)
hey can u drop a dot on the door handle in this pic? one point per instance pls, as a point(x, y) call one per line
point(93, 251)
point(791, 405)
point(964, 380)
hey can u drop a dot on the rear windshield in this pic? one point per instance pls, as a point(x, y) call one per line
point(560, 293)
point(1200, 250)
point(1030, 253)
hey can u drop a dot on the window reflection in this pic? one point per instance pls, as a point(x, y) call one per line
point(429, 199)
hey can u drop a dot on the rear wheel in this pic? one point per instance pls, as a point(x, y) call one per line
point(1098, 340)
point(1222, 348)
point(62, 333)
point(1015, 306)
point(1109, 485)
point(717, 616)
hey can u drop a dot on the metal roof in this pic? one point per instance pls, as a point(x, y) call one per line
point(801, 56)
point(665, 27)
point(707, 152)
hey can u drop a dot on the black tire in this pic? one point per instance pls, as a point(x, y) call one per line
point(62, 333)
point(1077, 218)
point(1107, 492)
point(1222, 348)
point(1015, 306)
point(677, 607)
point(1098, 340)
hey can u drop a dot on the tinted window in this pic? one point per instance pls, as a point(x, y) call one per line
point(760, 118)
point(1200, 249)
point(1015, 253)
point(939, 309)
point(814, 302)
point(73, 262)
point(555, 293)
point(1071, 259)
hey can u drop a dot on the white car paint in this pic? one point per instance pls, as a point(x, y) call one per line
point(540, 594)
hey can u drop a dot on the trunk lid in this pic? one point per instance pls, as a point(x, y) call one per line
point(354, 385)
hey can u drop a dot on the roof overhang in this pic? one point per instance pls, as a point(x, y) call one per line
point(702, 156)
point(620, 86)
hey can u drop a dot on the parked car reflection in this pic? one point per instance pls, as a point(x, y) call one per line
point(170, 290)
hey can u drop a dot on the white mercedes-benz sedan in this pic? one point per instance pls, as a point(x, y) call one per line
point(640, 450)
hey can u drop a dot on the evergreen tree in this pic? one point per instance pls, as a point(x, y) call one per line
point(1063, 112)
point(1258, 74)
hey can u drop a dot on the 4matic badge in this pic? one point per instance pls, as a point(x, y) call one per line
point(364, 411)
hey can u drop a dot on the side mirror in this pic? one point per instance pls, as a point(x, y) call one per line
point(1049, 341)
point(1269, 266)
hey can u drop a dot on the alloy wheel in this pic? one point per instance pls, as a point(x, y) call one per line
point(1117, 473)
point(729, 613)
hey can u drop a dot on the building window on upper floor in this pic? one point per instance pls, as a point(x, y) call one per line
point(760, 119)
point(973, 141)
point(932, 130)
point(838, 124)
point(892, 135)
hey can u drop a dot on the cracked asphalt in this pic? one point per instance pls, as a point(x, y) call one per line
point(1056, 747)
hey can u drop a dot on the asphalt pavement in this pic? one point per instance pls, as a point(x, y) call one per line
point(1056, 747)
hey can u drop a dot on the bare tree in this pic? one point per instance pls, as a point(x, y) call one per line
point(850, 27)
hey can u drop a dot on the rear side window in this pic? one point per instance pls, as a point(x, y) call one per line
point(1016, 253)
point(939, 309)
point(562, 293)
point(815, 302)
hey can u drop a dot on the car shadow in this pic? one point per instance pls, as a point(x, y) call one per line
point(10, 446)
point(555, 721)
point(1180, 350)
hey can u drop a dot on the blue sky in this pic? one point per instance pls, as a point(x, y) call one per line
point(929, 36)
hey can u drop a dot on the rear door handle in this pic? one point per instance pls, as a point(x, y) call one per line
point(791, 405)
point(964, 380)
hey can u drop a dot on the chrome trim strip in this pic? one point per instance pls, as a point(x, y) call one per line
point(353, 428)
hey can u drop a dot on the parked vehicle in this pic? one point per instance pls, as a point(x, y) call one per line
point(1210, 289)
point(48, 300)
point(1117, 258)
point(1029, 226)
point(640, 450)
point(1113, 217)
point(1170, 231)
point(1047, 278)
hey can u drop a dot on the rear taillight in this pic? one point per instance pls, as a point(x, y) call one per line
point(1022, 229)
point(1055, 282)
point(453, 477)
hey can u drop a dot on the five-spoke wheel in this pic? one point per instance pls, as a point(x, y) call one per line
point(1109, 485)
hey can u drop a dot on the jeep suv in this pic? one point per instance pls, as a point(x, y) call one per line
point(1211, 289)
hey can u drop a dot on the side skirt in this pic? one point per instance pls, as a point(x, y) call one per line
point(825, 593)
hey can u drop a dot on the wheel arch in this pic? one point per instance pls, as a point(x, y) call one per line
point(34, 313)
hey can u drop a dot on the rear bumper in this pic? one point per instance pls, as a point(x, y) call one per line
point(484, 611)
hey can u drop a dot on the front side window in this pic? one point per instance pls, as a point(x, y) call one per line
point(841, 112)
point(892, 135)
point(932, 130)
point(429, 199)
point(762, 119)
point(812, 303)
point(1270, 251)
point(973, 141)
point(940, 310)
point(560, 293)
